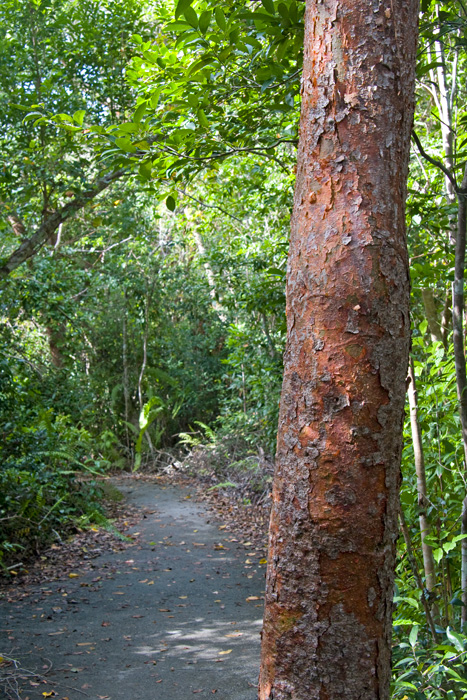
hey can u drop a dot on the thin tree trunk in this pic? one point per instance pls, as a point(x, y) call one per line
point(431, 314)
point(56, 336)
point(327, 626)
point(446, 318)
point(144, 362)
point(126, 383)
point(272, 347)
point(425, 529)
point(459, 359)
point(416, 573)
point(213, 291)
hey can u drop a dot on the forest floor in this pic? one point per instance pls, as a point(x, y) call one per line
point(173, 610)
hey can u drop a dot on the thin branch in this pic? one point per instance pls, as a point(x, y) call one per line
point(208, 206)
point(33, 244)
point(436, 163)
point(216, 156)
point(461, 3)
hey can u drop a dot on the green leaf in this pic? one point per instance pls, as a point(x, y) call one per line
point(449, 546)
point(220, 18)
point(204, 20)
point(79, 116)
point(438, 555)
point(456, 638)
point(203, 120)
point(191, 16)
point(423, 70)
point(145, 169)
point(125, 145)
point(139, 112)
point(181, 7)
point(413, 635)
point(281, 49)
point(170, 203)
point(268, 6)
point(198, 65)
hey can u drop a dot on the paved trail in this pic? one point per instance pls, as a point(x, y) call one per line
point(165, 619)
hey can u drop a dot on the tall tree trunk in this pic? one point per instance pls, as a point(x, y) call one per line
point(147, 306)
point(327, 626)
point(126, 381)
point(431, 315)
point(458, 303)
point(56, 336)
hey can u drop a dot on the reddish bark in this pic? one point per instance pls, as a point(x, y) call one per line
point(328, 610)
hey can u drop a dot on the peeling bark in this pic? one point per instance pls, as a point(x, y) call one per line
point(327, 626)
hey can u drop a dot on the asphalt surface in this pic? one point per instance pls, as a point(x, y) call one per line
point(176, 615)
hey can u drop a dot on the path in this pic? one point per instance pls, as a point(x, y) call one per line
point(164, 619)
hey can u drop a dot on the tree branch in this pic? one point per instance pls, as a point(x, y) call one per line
point(32, 245)
point(436, 163)
point(208, 206)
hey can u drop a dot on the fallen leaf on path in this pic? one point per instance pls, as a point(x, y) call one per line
point(73, 575)
point(105, 624)
point(201, 690)
point(227, 651)
point(253, 597)
point(164, 610)
point(234, 634)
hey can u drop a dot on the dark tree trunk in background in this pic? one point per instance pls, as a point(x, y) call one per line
point(327, 625)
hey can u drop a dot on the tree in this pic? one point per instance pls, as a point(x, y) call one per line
point(50, 65)
point(327, 627)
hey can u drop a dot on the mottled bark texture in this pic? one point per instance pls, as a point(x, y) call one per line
point(327, 624)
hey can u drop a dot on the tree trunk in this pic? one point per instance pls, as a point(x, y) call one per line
point(431, 315)
point(419, 459)
point(458, 303)
point(126, 380)
point(327, 626)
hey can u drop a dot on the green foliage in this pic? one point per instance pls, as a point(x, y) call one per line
point(424, 671)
